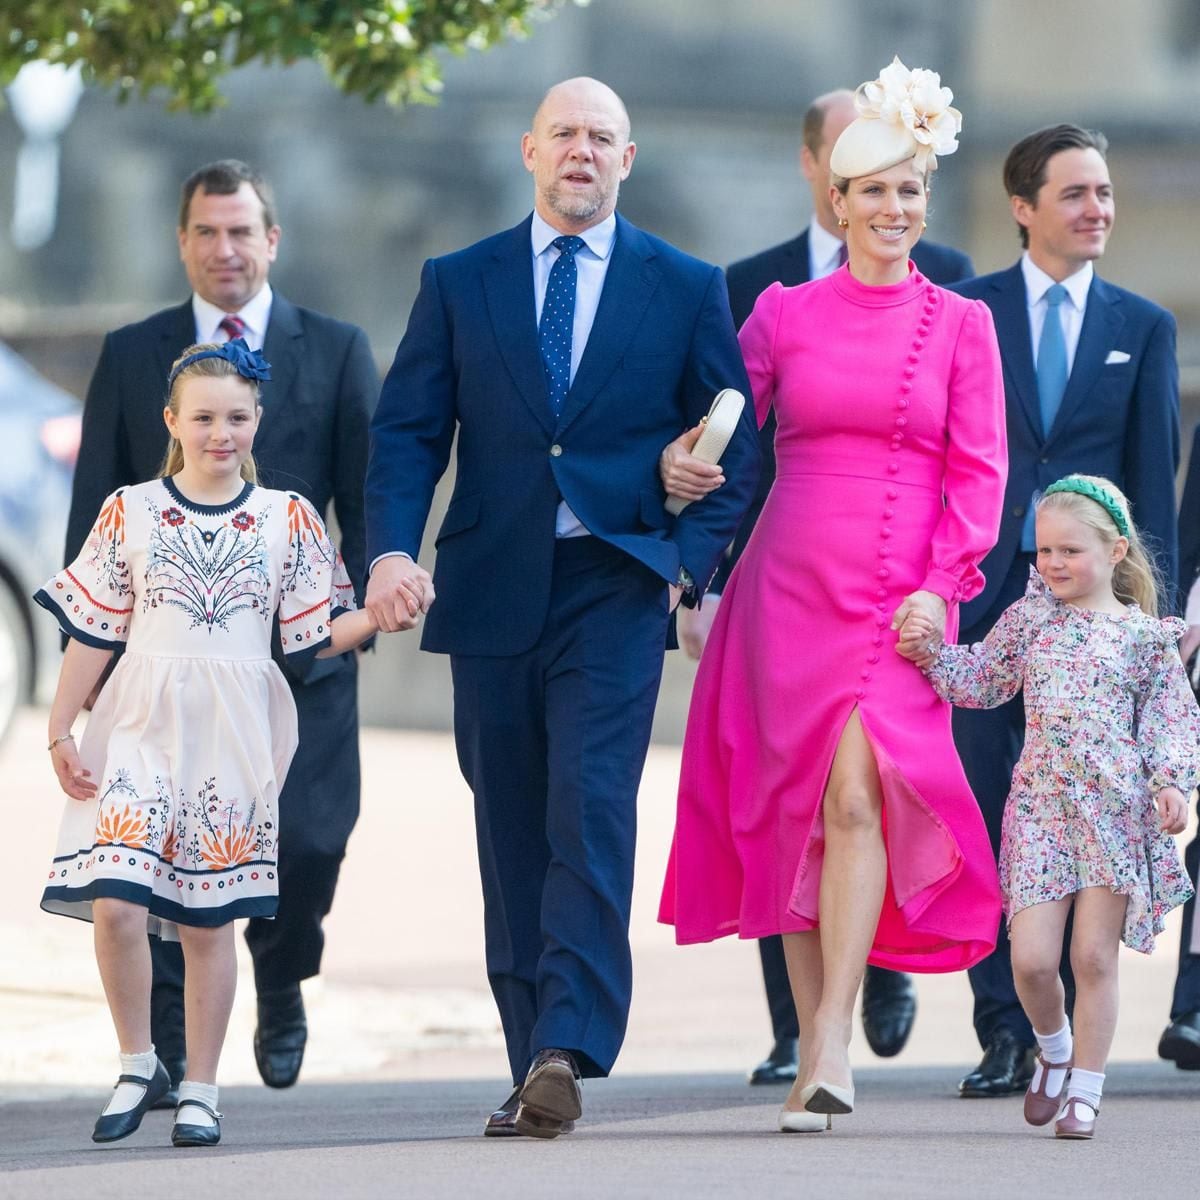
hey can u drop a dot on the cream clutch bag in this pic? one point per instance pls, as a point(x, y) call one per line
point(722, 420)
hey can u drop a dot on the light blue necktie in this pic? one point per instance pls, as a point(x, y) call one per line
point(558, 320)
point(1051, 383)
point(1052, 359)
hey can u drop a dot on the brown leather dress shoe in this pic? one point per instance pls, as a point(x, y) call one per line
point(550, 1097)
point(503, 1122)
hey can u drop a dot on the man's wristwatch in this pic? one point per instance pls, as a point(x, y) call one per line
point(685, 580)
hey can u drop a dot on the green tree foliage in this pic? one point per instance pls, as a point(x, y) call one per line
point(385, 50)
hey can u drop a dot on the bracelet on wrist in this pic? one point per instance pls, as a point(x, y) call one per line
point(62, 737)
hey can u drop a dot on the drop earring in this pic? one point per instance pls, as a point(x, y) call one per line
point(843, 223)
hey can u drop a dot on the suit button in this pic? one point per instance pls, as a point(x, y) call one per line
point(1019, 510)
point(555, 450)
point(1043, 459)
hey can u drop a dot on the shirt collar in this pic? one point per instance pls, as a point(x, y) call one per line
point(1038, 283)
point(823, 246)
point(598, 239)
point(256, 312)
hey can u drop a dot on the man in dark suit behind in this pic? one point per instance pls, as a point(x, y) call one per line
point(889, 1000)
point(565, 353)
point(1116, 415)
point(313, 439)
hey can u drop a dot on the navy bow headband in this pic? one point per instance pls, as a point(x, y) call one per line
point(250, 364)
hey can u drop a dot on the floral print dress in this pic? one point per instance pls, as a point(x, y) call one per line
point(190, 739)
point(1110, 721)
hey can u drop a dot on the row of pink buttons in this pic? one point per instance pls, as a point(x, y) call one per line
point(900, 423)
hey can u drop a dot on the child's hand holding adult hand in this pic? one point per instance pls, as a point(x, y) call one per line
point(1172, 810)
point(73, 777)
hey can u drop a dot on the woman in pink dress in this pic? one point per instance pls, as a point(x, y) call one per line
point(820, 795)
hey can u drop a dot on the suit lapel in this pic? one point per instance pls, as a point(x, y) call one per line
point(1102, 322)
point(794, 265)
point(628, 286)
point(282, 348)
point(508, 286)
point(178, 332)
point(1011, 311)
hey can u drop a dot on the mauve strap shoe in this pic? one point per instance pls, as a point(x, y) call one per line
point(1040, 1107)
point(1078, 1119)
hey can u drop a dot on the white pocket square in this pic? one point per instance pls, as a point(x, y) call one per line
point(1116, 356)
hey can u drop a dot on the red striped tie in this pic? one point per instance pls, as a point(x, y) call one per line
point(232, 326)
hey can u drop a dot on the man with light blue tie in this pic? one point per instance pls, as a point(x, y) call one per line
point(565, 353)
point(1092, 386)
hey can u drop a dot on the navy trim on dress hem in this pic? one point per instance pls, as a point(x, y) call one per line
point(156, 906)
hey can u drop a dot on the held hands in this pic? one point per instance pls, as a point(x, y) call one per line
point(398, 593)
point(683, 475)
point(1189, 644)
point(73, 777)
point(921, 620)
point(1172, 810)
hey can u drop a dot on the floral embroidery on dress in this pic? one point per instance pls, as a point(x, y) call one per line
point(1110, 721)
point(210, 574)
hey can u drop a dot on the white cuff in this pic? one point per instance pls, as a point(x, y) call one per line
point(390, 554)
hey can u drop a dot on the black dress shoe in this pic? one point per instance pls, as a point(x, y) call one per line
point(1006, 1068)
point(780, 1066)
point(115, 1126)
point(550, 1097)
point(170, 1098)
point(1180, 1042)
point(183, 1134)
point(281, 1036)
point(503, 1122)
point(889, 1007)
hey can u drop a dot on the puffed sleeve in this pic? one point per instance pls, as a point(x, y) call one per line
point(757, 340)
point(1168, 721)
point(92, 597)
point(314, 587)
point(989, 673)
point(976, 462)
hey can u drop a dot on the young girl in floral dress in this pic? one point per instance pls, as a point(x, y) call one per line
point(1112, 749)
point(173, 821)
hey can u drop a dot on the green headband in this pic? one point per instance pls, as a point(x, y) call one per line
point(1102, 496)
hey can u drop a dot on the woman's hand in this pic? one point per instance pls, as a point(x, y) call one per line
point(1172, 810)
point(73, 777)
point(921, 620)
point(683, 475)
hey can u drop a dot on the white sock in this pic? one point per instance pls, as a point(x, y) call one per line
point(127, 1095)
point(1055, 1048)
point(1087, 1086)
point(190, 1114)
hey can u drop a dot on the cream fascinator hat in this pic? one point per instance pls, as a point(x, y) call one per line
point(901, 115)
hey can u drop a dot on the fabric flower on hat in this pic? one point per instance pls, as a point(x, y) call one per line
point(917, 101)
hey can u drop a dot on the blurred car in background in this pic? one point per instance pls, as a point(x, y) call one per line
point(39, 442)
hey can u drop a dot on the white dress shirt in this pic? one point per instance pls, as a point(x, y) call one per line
point(591, 268)
point(824, 251)
point(256, 313)
point(1037, 284)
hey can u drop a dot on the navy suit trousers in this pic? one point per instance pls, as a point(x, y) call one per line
point(552, 743)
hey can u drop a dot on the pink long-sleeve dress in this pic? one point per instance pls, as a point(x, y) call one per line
point(891, 467)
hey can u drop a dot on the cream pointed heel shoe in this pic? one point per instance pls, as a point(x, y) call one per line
point(829, 1098)
point(802, 1122)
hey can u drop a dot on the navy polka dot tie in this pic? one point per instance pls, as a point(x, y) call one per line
point(558, 319)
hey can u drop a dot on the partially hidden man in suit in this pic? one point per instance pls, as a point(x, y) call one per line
point(889, 999)
point(1091, 385)
point(313, 439)
point(1180, 1041)
point(566, 353)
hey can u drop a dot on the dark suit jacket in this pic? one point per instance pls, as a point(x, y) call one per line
point(661, 346)
point(1119, 420)
point(313, 435)
point(788, 264)
point(1189, 522)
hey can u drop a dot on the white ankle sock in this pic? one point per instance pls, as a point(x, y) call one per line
point(190, 1114)
point(126, 1095)
point(1087, 1085)
point(1055, 1048)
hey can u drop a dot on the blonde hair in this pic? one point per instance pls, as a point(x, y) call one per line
point(1135, 578)
point(211, 368)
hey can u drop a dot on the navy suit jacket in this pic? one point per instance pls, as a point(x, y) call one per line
point(789, 264)
point(313, 434)
point(1189, 522)
point(662, 345)
point(1117, 419)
